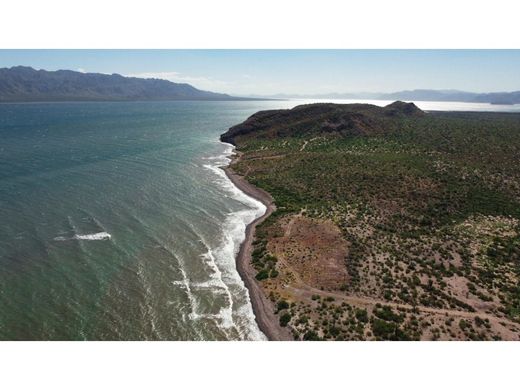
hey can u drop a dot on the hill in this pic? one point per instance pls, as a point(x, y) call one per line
point(323, 118)
point(391, 223)
point(25, 84)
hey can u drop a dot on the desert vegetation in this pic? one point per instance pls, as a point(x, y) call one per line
point(427, 210)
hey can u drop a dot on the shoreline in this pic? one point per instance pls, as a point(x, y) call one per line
point(263, 308)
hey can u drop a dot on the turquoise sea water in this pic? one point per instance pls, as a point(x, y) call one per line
point(116, 223)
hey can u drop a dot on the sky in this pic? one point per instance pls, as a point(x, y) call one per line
point(268, 72)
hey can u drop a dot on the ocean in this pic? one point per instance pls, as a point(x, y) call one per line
point(117, 223)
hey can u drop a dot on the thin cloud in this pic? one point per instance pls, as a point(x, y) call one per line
point(205, 83)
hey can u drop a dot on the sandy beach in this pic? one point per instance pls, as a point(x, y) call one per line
point(263, 308)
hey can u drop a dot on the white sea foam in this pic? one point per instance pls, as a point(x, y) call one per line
point(223, 277)
point(222, 258)
point(93, 236)
point(224, 318)
point(89, 237)
point(185, 283)
point(226, 313)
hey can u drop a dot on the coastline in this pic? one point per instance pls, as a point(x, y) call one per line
point(263, 308)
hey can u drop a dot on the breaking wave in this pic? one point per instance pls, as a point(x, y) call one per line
point(223, 258)
point(89, 237)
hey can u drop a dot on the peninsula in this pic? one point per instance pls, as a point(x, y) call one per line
point(385, 223)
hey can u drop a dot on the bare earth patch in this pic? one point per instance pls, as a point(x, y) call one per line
point(314, 249)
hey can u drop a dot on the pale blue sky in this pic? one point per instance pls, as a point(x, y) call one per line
point(245, 72)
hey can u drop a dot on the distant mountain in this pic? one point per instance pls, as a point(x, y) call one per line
point(430, 95)
point(417, 95)
point(499, 97)
point(25, 84)
point(454, 96)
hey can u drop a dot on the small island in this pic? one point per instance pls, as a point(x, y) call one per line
point(383, 223)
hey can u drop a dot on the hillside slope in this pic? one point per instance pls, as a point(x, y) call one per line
point(322, 118)
point(24, 84)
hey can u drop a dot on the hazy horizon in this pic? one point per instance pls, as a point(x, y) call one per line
point(294, 72)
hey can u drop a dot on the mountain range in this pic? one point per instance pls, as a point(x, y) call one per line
point(25, 84)
point(417, 95)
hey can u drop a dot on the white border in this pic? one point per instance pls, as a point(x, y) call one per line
point(259, 24)
point(257, 365)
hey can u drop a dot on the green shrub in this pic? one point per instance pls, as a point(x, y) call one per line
point(386, 313)
point(282, 304)
point(284, 319)
point(334, 331)
point(388, 330)
point(383, 329)
point(263, 274)
point(311, 336)
point(362, 315)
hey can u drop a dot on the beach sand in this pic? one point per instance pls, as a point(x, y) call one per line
point(263, 308)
